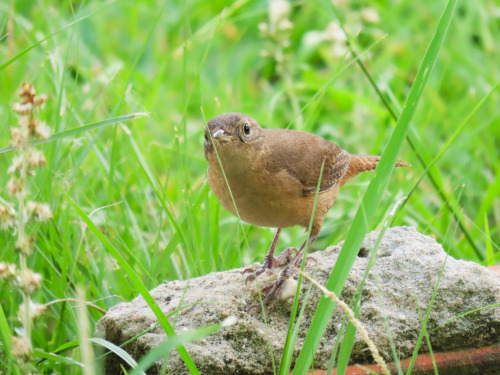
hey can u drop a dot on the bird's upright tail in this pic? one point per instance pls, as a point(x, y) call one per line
point(363, 163)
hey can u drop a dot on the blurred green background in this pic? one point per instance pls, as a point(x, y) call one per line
point(143, 182)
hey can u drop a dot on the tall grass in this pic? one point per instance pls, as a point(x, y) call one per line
point(131, 206)
point(372, 197)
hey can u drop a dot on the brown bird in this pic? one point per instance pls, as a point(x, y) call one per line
point(273, 176)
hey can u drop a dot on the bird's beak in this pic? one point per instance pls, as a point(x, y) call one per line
point(221, 136)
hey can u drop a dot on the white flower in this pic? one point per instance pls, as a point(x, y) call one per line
point(40, 100)
point(334, 33)
point(18, 137)
point(22, 109)
point(42, 130)
point(17, 162)
point(7, 216)
point(25, 245)
point(39, 211)
point(37, 159)
point(7, 270)
point(29, 280)
point(285, 25)
point(278, 10)
point(27, 91)
point(15, 185)
point(370, 15)
point(21, 349)
point(36, 310)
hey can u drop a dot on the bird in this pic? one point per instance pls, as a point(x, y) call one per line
point(270, 177)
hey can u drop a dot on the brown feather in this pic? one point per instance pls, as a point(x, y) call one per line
point(303, 157)
point(363, 163)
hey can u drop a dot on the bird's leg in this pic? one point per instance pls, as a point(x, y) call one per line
point(277, 288)
point(270, 261)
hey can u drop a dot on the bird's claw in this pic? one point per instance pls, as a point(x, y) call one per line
point(271, 298)
point(286, 285)
point(269, 263)
point(256, 306)
point(254, 272)
point(309, 258)
point(277, 291)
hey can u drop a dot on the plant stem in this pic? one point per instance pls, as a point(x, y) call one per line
point(21, 235)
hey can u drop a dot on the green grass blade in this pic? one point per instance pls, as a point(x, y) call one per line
point(155, 185)
point(372, 197)
point(138, 56)
point(25, 51)
point(60, 350)
point(489, 248)
point(118, 351)
point(170, 344)
point(423, 330)
point(147, 330)
point(319, 94)
point(454, 209)
point(348, 341)
point(448, 144)
point(84, 128)
point(464, 314)
point(290, 338)
point(425, 320)
point(5, 337)
point(428, 341)
point(56, 358)
point(135, 280)
point(338, 342)
point(204, 31)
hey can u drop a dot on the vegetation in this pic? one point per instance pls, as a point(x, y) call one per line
point(130, 87)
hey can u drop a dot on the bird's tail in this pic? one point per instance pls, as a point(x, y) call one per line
point(362, 163)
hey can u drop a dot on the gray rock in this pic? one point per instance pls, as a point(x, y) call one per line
point(400, 284)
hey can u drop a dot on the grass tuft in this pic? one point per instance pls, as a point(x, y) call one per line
point(126, 176)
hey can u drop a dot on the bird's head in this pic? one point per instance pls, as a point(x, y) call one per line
point(234, 135)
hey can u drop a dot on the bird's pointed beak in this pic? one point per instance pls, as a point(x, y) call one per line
point(222, 136)
point(219, 134)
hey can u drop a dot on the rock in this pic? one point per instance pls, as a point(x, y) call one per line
point(401, 283)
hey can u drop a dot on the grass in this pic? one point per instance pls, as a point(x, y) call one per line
point(131, 206)
point(371, 199)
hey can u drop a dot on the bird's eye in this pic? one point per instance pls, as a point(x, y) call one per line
point(246, 129)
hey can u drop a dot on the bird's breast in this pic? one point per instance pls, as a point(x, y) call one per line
point(261, 198)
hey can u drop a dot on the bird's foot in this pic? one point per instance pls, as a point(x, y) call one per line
point(269, 263)
point(310, 258)
point(284, 288)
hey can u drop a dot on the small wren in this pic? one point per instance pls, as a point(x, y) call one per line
point(273, 175)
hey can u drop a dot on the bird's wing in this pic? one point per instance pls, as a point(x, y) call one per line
point(302, 155)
